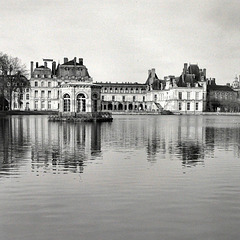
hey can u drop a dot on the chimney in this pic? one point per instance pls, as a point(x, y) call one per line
point(185, 68)
point(153, 72)
point(54, 68)
point(45, 64)
point(80, 61)
point(75, 59)
point(149, 73)
point(65, 60)
point(36, 64)
point(204, 72)
point(31, 68)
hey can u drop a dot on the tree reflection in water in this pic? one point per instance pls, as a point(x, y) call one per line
point(190, 153)
point(54, 147)
point(67, 147)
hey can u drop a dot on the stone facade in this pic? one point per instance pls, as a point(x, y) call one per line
point(185, 94)
point(69, 88)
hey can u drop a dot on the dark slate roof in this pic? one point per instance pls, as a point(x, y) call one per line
point(157, 84)
point(42, 68)
point(194, 69)
point(188, 79)
point(127, 84)
point(219, 88)
point(149, 76)
point(72, 63)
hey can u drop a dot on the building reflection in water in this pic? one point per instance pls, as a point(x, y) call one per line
point(64, 147)
point(67, 147)
point(51, 147)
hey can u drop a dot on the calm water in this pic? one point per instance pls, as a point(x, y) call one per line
point(139, 177)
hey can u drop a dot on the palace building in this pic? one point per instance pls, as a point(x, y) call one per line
point(68, 87)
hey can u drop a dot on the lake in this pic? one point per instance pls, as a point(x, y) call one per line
point(138, 177)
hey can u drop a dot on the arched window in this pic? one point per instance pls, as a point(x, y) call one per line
point(81, 103)
point(66, 103)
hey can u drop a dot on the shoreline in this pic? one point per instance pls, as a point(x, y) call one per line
point(9, 113)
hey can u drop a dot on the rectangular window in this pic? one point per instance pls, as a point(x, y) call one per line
point(27, 96)
point(36, 105)
point(113, 98)
point(123, 98)
point(36, 94)
point(188, 106)
point(102, 98)
point(36, 84)
point(42, 94)
point(180, 95)
point(49, 104)
point(180, 106)
point(134, 98)
point(196, 106)
point(49, 84)
point(21, 96)
point(49, 94)
point(42, 105)
point(155, 97)
point(143, 98)
point(188, 95)
point(197, 95)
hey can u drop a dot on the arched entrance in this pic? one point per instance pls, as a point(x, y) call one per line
point(81, 103)
point(66, 103)
point(130, 106)
point(110, 106)
point(120, 107)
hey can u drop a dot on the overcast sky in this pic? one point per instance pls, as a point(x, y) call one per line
point(120, 40)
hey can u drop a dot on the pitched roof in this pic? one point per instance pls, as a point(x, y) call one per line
point(71, 63)
point(188, 79)
point(194, 69)
point(149, 77)
point(127, 84)
point(219, 88)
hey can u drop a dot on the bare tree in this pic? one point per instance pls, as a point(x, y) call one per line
point(13, 78)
